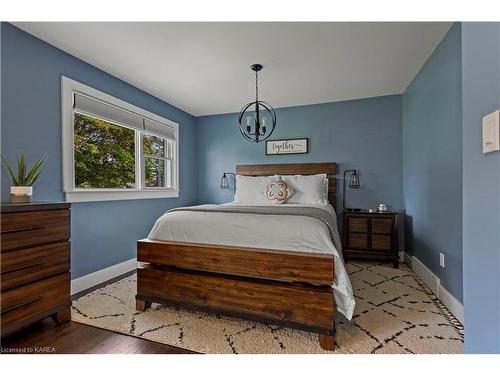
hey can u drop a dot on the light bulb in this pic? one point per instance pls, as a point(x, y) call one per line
point(249, 124)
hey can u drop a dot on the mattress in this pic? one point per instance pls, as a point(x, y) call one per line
point(271, 231)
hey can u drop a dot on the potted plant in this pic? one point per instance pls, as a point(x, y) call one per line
point(22, 189)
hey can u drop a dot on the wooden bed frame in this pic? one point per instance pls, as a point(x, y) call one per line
point(289, 288)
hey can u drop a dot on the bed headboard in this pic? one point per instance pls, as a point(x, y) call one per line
point(288, 169)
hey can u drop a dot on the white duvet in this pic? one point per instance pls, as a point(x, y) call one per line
point(283, 232)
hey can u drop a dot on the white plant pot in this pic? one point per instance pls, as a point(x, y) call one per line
point(21, 194)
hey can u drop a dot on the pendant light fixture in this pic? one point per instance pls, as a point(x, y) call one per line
point(257, 119)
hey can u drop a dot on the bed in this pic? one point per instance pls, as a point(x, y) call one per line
point(226, 259)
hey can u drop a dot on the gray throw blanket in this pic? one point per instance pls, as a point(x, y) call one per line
point(315, 212)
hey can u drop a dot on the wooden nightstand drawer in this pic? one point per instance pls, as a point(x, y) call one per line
point(20, 267)
point(381, 242)
point(27, 302)
point(371, 235)
point(358, 224)
point(381, 225)
point(358, 240)
point(24, 229)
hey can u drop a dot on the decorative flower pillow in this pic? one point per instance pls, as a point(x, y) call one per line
point(278, 191)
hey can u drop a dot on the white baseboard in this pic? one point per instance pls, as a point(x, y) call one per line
point(427, 276)
point(407, 258)
point(451, 303)
point(434, 284)
point(98, 277)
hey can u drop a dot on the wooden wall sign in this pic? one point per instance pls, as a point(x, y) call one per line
point(286, 146)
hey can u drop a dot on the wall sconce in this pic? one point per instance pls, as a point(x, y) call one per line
point(224, 183)
point(353, 184)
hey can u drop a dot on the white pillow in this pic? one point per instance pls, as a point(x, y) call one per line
point(308, 189)
point(250, 190)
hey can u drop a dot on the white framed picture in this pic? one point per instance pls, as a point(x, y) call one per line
point(286, 146)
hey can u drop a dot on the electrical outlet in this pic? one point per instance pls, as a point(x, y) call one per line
point(441, 259)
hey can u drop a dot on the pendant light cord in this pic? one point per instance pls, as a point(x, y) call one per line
point(256, 87)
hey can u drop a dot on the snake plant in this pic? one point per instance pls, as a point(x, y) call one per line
point(23, 177)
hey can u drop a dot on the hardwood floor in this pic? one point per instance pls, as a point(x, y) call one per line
point(75, 338)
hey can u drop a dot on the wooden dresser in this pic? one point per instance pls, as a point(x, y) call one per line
point(371, 235)
point(34, 264)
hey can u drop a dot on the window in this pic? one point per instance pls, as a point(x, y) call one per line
point(104, 154)
point(158, 154)
point(114, 150)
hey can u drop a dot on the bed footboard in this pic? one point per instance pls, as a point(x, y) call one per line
point(306, 307)
point(284, 287)
point(290, 266)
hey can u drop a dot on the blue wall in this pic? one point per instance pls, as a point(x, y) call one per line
point(481, 185)
point(103, 233)
point(363, 134)
point(432, 162)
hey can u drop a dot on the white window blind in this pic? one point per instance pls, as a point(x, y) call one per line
point(91, 106)
point(94, 107)
point(157, 128)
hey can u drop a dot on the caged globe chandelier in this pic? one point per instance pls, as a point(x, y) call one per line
point(257, 119)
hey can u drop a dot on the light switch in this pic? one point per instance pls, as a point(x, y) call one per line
point(491, 132)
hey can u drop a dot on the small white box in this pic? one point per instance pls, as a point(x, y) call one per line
point(491, 132)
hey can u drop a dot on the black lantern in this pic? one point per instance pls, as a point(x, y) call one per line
point(257, 119)
point(353, 184)
point(223, 181)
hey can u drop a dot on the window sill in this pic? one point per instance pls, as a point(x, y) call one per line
point(100, 195)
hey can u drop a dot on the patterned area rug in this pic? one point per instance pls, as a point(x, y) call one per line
point(395, 313)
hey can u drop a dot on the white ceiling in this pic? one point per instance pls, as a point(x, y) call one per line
point(203, 68)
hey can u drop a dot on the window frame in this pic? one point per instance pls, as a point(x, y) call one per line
point(72, 194)
point(163, 158)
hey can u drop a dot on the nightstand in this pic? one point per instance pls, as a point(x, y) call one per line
point(371, 235)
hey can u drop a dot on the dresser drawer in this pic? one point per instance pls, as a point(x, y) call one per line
point(381, 225)
point(357, 240)
point(27, 265)
point(31, 301)
point(381, 242)
point(358, 224)
point(24, 229)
